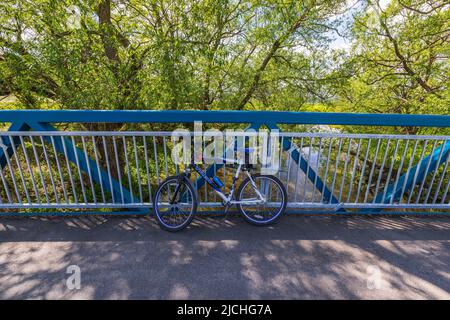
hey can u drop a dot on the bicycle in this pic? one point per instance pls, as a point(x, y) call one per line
point(261, 199)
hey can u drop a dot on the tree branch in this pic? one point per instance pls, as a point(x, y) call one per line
point(104, 16)
point(404, 61)
point(275, 46)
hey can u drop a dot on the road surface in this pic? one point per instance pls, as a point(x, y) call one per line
point(302, 257)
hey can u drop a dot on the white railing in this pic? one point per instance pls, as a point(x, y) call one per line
point(320, 170)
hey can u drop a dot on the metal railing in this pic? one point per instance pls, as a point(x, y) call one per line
point(43, 168)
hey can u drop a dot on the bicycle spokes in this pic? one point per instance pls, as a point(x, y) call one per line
point(262, 199)
point(174, 204)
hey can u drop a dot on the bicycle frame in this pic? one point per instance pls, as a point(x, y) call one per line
point(228, 199)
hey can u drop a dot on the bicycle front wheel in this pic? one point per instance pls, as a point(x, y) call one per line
point(259, 212)
point(175, 204)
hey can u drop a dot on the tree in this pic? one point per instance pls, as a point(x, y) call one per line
point(102, 54)
point(401, 58)
point(163, 54)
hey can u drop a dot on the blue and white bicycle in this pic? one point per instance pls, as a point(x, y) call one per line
point(261, 199)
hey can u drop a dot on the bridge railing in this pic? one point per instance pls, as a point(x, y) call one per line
point(44, 168)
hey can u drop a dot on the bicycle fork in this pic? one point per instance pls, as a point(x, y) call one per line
point(181, 178)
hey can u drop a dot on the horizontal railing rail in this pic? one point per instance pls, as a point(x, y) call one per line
point(261, 117)
point(43, 168)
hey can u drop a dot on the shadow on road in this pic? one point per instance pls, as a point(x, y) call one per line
point(300, 257)
point(104, 228)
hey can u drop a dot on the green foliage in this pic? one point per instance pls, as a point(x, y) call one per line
point(400, 59)
point(164, 54)
point(225, 54)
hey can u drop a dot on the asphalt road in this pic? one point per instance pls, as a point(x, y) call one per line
point(301, 257)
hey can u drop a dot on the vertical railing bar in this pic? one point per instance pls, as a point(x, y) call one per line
point(281, 157)
point(13, 145)
point(215, 164)
point(147, 170)
point(336, 166)
point(89, 169)
point(311, 142)
point(13, 177)
point(8, 195)
point(411, 160)
point(326, 171)
point(49, 169)
point(27, 160)
point(435, 171)
point(426, 172)
point(446, 191)
point(436, 194)
point(224, 166)
point(267, 151)
point(79, 169)
point(36, 157)
point(156, 159)
point(59, 170)
point(165, 156)
point(1, 199)
point(138, 169)
point(362, 170)
point(119, 174)
point(70, 171)
point(317, 171)
point(108, 167)
point(288, 174)
point(271, 152)
point(204, 169)
point(372, 170)
point(390, 171)
point(127, 164)
point(176, 164)
point(298, 172)
point(344, 174)
point(94, 143)
point(263, 148)
point(280, 163)
point(416, 173)
point(380, 174)
point(399, 172)
point(355, 163)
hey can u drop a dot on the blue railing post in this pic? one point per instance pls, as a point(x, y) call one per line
point(7, 150)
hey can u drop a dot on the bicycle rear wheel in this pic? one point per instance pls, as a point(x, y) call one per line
point(272, 189)
point(175, 203)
